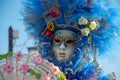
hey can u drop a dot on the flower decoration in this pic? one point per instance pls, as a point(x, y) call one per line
point(8, 67)
point(18, 55)
point(91, 78)
point(55, 69)
point(82, 21)
point(93, 25)
point(45, 78)
point(54, 12)
point(85, 31)
point(89, 25)
point(38, 60)
point(24, 68)
point(49, 30)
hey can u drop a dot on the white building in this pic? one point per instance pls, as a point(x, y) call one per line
point(33, 50)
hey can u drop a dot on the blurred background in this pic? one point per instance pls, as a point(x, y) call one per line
point(10, 15)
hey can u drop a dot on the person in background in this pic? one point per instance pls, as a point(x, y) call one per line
point(72, 33)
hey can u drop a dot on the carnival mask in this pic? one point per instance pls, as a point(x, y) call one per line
point(63, 44)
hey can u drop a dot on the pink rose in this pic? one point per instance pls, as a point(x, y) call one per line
point(45, 78)
point(38, 60)
point(91, 78)
point(55, 69)
point(8, 67)
point(24, 68)
point(18, 55)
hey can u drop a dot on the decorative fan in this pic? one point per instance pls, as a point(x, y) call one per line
point(27, 67)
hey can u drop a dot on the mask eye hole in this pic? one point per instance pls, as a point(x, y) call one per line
point(57, 40)
point(70, 41)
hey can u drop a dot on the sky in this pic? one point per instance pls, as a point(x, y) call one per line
point(10, 14)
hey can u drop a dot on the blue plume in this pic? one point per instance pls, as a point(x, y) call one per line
point(36, 18)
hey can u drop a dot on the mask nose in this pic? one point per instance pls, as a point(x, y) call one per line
point(62, 46)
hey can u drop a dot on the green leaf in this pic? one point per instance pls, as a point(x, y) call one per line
point(10, 54)
point(1, 57)
point(38, 76)
point(61, 76)
point(30, 71)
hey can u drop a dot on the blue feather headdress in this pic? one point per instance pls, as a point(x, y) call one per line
point(94, 21)
point(60, 14)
